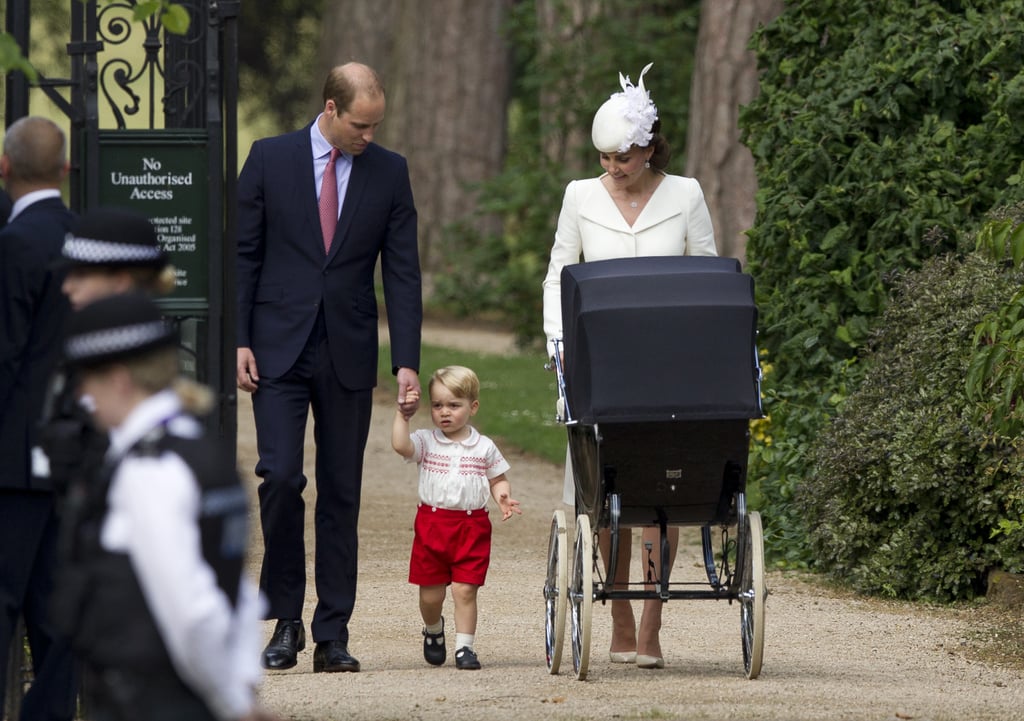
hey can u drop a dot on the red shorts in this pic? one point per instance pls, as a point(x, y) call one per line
point(450, 546)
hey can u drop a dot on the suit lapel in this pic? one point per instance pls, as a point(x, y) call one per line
point(598, 207)
point(660, 207)
point(305, 189)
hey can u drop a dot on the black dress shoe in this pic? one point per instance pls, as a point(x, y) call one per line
point(433, 646)
point(289, 638)
point(466, 660)
point(332, 657)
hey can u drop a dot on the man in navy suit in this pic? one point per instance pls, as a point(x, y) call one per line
point(32, 315)
point(307, 338)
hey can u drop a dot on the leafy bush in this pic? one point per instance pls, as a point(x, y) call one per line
point(996, 375)
point(882, 134)
point(905, 488)
point(995, 379)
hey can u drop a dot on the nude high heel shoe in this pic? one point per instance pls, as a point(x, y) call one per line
point(643, 661)
point(622, 656)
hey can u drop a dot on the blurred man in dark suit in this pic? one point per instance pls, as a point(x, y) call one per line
point(32, 315)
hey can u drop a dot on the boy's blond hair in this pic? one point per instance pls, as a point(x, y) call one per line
point(460, 380)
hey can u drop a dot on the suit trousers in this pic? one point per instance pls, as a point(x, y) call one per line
point(28, 547)
point(341, 419)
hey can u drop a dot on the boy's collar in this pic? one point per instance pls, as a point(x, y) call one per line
point(472, 440)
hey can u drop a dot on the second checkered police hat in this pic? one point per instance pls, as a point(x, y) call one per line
point(116, 328)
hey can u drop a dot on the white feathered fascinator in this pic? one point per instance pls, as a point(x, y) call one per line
point(626, 118)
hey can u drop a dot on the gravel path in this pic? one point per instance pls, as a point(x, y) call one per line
point(827, 655)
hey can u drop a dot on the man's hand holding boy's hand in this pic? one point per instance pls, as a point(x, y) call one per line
point(412, 402)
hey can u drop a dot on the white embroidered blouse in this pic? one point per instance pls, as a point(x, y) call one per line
point(456, 474)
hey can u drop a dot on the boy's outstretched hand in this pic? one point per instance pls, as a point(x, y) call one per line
point(508, 506)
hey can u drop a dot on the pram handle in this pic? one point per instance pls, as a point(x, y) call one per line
point(556, 362)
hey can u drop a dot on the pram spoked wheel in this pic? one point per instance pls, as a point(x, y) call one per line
point(752, 595)
point(556, 591)
point(581, 596)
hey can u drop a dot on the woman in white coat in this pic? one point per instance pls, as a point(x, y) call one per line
point(633, 209)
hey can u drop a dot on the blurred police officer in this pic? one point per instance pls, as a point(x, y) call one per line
point(152, 589)
point(108, 251)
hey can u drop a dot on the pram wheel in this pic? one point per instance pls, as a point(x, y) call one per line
point(556, 591)
point(581, 596)
point(752, 596)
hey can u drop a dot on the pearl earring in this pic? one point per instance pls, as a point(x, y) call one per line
point(647, 163)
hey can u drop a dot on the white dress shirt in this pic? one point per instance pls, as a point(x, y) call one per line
point(29, 198)
point(321, 153)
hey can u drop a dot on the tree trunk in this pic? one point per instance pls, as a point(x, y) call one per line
point(561, 23)
point(445, 66)
point(724, 79)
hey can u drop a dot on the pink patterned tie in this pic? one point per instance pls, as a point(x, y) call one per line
point(329, 200)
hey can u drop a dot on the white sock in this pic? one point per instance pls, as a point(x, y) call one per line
point(464, 639)
point(436, 627)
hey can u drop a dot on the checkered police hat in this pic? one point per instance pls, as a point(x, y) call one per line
point(113, 238)
point(116, 328)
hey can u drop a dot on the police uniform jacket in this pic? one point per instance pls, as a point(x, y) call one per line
point(73, 445)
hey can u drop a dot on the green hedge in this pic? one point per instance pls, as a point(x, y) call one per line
point(883, 133)
point(906, 488)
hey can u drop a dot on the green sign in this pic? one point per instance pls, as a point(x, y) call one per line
point(163, 175)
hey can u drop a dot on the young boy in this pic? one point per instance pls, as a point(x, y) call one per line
point(459, 469)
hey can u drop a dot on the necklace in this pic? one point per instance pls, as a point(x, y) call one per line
point(640, 196)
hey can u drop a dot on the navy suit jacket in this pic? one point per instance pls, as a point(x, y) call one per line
point(5, 207)
point(32, 314)
point(284, 276)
